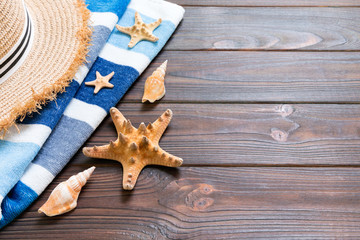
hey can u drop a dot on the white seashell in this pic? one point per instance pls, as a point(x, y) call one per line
point(64, 197)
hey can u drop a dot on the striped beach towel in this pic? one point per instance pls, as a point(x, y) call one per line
point(87, 110)
point(17, 150)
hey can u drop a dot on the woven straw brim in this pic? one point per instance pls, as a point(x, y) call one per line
point(61, 40)
point(11, 30)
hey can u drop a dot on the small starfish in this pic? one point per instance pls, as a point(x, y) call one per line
point(101, 82)
point(135, 148)
point(140, 30)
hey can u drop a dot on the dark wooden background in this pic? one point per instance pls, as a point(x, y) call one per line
point(266, 97)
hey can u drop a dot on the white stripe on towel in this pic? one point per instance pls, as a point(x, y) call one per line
point(81, 74)
point(33, 133)
point(106, 19)
point(159, 9)
point(37, 178)
point(89, 113)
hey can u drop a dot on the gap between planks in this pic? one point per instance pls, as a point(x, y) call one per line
point(257, 50)
point(268, 6)
point(268, 3)
point(241, 165)
point(271, 6)
point(246, 102)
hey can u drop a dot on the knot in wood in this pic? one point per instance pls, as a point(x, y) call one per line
point(202, 204)
point(196, 201)
point(285, 110)
point(279, 135)
point(206, 189)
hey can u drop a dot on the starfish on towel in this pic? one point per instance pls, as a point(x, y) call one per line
point(101, 82)
point(135, 148)
point(140, 30)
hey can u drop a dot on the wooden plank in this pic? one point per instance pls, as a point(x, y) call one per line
point(268, 28)
point(250, 3)
point(229, 76)
point(204, 203)
point(249, 134)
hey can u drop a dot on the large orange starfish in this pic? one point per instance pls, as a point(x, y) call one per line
point(135, 148)
point(140, 30)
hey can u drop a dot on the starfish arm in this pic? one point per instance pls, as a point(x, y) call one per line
point(108, 85)
point(147, 35)
point(138, 19)
point(131, 174)
point(126, 30)
point(151, 38)
point(98, 75)
point(159, 126)
point(164, 158)
point(92, 83)
point(108, 77)
point(118, 120)
point(154, 25)
point(97, 88)
point(128, 128)
point(134, 41)
point(97, 152)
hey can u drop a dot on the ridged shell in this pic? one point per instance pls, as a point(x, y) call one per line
point(154, 86)
point(64, 197)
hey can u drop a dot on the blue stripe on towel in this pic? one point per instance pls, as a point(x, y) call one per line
point(51, 112)
point(54, 162)
point(19, 198)
point(115, 6)
point(99, 37)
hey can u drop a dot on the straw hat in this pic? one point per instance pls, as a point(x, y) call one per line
point(42, 44)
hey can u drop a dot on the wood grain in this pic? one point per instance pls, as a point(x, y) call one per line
point(256, 77)
point(250, 3)
point(265, 96)
point(249, 134)
point(239, 28)
point(204, 203)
